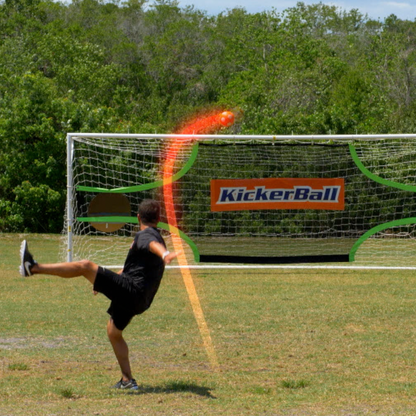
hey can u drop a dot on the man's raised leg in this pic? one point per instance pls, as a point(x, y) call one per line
point(85, 268)
point(29, 266)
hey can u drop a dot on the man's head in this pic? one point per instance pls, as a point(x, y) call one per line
point(149, 212)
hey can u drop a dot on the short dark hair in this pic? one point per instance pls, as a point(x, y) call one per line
point(149, 211)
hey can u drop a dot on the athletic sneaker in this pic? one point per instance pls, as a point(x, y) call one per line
point(26, 260)
point(126, 385)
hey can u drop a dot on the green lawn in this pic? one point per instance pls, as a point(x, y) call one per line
point(289, 342)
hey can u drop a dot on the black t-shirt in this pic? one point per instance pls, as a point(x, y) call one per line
point(145, 268)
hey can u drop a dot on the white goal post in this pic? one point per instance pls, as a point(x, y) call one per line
point(255, 201)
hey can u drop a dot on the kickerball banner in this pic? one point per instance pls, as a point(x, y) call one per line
point(277, 193)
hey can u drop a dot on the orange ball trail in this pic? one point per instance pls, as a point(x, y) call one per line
point(201, 125)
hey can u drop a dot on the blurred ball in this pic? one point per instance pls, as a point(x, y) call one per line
point(227, 118)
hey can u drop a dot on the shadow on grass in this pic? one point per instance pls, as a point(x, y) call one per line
point(176, 387)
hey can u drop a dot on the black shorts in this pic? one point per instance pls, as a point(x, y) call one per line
point(126, 299)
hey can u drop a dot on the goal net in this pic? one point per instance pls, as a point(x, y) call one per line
point(247, 199)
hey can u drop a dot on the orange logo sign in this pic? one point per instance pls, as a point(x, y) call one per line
point(277, 193)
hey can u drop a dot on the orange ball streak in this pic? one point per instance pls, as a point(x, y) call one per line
point(203, 125)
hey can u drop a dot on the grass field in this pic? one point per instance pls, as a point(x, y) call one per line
point(289, 342)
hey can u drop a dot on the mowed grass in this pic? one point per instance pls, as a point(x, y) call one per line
point(289, 342)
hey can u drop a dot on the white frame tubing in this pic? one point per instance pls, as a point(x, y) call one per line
point(337, 137)
point(279, 266)
point(69, 187)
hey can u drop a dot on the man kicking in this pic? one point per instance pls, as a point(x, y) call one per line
point(131, 290)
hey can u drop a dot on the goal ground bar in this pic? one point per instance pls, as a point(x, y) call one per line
point(282, 266)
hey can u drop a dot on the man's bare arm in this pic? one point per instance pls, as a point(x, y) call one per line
point(161, 251)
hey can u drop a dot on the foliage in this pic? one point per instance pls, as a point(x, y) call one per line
point(93, 65)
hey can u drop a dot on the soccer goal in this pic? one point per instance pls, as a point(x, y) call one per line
point(250, 200)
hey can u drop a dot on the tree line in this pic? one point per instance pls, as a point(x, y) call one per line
point(96, 66)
